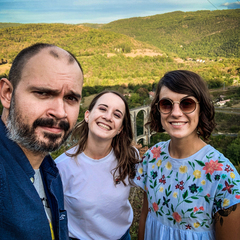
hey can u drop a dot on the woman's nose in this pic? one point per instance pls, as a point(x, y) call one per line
point(108, 116)
point(176, 110)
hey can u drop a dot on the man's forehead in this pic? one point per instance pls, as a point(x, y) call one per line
point(54, 51)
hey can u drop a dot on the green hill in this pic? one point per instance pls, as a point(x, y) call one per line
point(114, 58)
point(186, 34)
point(102, 53)
point(7, 25)
point(80, 40)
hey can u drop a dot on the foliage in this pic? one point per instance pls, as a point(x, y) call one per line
point(233, 151)
point(7, 25)
point(159, 137)
point(80, 40)
point(186, 34)
point(93, 46)
point(227, 122)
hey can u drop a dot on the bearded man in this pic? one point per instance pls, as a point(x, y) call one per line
point(41, 101)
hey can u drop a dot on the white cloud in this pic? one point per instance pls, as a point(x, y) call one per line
point(234, 5)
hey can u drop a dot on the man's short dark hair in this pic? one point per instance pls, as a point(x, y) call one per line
point(23, 57)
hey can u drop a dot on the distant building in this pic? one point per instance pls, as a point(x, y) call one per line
point(151, 95)
point(221, 103)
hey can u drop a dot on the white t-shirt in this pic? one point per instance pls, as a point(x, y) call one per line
point(97, 207)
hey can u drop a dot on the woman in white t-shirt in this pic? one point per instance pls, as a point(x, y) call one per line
point(97, 172)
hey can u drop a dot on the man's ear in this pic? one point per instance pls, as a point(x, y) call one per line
point(6, 91)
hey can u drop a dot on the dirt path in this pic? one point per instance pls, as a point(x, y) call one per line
point(139, 52)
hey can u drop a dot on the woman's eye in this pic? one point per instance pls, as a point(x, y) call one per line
point(117, 115)
point(102, 109)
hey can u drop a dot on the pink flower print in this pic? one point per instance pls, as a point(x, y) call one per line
point(212, 166)
point(177, 186)
point(177, 217)
point(195, 209)
point(208, 195)
point(201, 208)
point(155, 207)
point(237, 196)
point(138, 178)
point(156, 152)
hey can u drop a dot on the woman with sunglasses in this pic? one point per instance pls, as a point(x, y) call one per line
point(191, 191)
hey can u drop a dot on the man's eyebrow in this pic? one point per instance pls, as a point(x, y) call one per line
point(76, 95)
point(107, 107)
point(53, 92)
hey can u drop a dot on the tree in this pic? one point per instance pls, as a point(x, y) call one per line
point(233, 151)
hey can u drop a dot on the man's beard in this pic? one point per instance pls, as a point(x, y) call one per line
point(25, 135)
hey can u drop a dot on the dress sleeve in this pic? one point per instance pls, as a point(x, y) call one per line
point(228, 188)
point(141, 173)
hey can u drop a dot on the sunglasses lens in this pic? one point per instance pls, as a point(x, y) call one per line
point(188, 105)
point(165, 106)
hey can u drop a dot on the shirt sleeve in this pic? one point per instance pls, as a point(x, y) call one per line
point(228, 187)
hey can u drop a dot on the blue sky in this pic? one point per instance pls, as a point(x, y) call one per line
point(98, 11)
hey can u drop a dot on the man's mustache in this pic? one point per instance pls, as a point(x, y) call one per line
point(50, 122)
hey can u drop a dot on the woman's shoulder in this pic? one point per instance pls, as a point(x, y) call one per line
point(159, 147)
point(211, 159)
point(64, 157)
point(209, 152)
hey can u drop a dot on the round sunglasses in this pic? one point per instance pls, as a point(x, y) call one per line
point(187, 105)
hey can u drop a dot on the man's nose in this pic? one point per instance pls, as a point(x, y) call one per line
point(57, 109)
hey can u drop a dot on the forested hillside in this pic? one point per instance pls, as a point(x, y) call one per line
point(152, 48)
point(187, 34)
point(7, 25)
point(80, 40)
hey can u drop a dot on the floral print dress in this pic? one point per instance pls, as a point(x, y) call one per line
point(184, 194)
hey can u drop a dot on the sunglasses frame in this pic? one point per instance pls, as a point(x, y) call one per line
point(179, 102)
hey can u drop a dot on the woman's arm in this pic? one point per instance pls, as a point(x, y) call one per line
point(227, 223)
point(143, 216)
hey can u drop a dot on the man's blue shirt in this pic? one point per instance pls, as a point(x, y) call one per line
point(22, 214)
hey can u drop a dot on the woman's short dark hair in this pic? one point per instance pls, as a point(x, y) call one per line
point(190, 83)
point(125, 153)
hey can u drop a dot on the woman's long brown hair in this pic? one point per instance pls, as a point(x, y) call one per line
point(122, 143)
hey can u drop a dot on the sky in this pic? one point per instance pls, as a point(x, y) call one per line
point(99, 11)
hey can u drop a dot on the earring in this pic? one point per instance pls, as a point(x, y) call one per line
point(86, 121)
point(198, 132)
